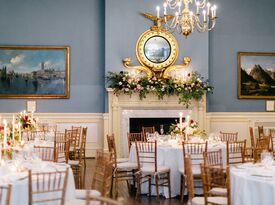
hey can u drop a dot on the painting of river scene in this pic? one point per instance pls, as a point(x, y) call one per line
point(34, 72)
point(256, 75)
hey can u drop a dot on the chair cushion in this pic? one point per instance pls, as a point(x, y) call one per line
point(217, 200)
point(218, 191)
point(81, 193)
point(197, 201)
point(75, 201)
point(127, 166)
point(120, 160)
point(73, 162)
point(151, 169)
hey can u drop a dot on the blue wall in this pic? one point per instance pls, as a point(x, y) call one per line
point(124, 25)
point(102, 33)
point(77, 23)
point(243, 26)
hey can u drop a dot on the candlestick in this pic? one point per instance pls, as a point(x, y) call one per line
point(5, 134)
point(13, 128)
point(19, 130)
point(181, 114)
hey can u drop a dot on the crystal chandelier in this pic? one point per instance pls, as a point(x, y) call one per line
point(184, 20)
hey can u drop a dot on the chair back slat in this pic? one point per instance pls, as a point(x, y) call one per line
point(62, 147)
point(195, 151)
point(235, 152)
point(49, 186)
point(149, 130)
point(102, 178)
point(228, 136)
point(132, 137)
point(146, 154)
point(213, 158)
point(261, 131)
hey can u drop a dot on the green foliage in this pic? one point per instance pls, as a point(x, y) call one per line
point(192, 88)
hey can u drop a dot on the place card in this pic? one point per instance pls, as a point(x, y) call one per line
point(270, 106)
point(31, 106)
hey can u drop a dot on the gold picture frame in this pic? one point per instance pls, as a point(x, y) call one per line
point(34, 72)
point(256, 75)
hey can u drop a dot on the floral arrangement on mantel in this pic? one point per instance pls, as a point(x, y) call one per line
point(192, 87)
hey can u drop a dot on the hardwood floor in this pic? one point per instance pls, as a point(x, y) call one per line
point(123, 191)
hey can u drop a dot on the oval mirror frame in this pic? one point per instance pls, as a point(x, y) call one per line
point(166, 59)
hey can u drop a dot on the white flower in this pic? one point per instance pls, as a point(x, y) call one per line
point(208, 89)
point(198, 79)
point(126, 89)
point(120, 83)
point(162, 89)
point(123, 78)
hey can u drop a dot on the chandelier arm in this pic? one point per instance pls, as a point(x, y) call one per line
point(201, 4)
point(203, 27)
point(172, 3)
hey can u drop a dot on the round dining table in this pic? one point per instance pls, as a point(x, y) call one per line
point(252, 184)
point(170, 154)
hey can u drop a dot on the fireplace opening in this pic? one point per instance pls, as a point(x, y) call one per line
point(137, 123)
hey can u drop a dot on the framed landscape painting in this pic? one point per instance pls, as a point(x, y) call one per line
point(256, 75)
point(34, 72)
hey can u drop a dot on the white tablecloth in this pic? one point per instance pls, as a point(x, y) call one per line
point(19, 180)
point(172, 156)
point(252, 184)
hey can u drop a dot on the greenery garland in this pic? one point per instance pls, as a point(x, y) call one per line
point(191, 88)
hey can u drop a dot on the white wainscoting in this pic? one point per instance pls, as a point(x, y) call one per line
point(94, 122)
point(239, 122)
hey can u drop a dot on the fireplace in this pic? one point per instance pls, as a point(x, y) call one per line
point(122, 108)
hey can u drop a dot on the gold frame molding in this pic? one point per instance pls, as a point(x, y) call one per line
point(148, 67)
point(240, 95)
point(44, 96)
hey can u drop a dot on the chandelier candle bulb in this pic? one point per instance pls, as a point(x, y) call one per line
point(198, 7)
point(179, 5)
point(204, 15)
point(158, 11)
point(165, 8)
point(208, 8)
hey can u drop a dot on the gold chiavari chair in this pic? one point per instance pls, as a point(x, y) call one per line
point(102, 178)
point(112, 148)
point(235, 152)
point(195, 151)
point(5, 193)
point(148, 168)
point(75, 160)
point(229, 136)
point(261, 131)
point(262, 144)
point(137, 136)
point(47, 187)
point(148, 130)
point(213, 177)
point(213, 158)
point(46, 153)
point(249, 151)
point(272, 136)
point(83, 141)
point(62, 147)
point(92, 200)
point(77, 135)
point(123, 170)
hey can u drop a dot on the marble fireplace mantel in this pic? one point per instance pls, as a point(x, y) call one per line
point(122, 107)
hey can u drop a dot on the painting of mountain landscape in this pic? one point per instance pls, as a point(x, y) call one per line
point(256, 73)
point(34, 72)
